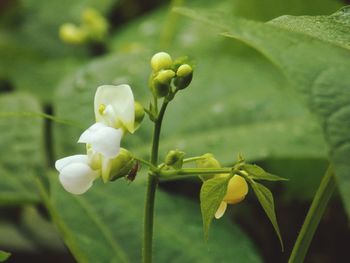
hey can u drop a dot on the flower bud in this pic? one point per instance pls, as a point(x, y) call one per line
point(95, 24)
point(161, 60)
point(237, 189)
point(72, 34)
point(161, 82)
point(120, 166)
point(174, 159)
point(184, 76)
point(139, 114)
point(208, 161)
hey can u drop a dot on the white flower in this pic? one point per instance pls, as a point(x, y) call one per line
point(114, 106)
point(76, 173)
point(115, 114)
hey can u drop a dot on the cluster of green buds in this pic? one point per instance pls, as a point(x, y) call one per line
point(167, 72)
point(92, 29)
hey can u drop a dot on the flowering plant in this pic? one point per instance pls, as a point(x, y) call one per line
point(115, 115)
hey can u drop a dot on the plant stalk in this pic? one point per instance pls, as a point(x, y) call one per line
point(313, 217)
point(151, 190)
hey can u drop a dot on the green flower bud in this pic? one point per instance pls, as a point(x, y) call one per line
point(72, 34)
point(120, 166)
point(184, 71)
point(161, 60)
point(208, 161)
point(95, 24)
point(174, 159)
point(139, 114)
point(161, 82)
point(184, 76)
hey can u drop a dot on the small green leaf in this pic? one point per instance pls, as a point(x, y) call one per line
point(212, 193)
point(4, 256)
point(265, 198)
point(257, 173)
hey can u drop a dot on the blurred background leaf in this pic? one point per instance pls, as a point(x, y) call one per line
point(22, 156)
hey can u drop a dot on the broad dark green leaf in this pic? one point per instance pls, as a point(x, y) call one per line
point(334, 29)
point(211, 195)
point(105, 225)
point(268, 9)
point(22, 154)
point(258, 173)
point(4, 256)
point(265, 198)
point(317, 70)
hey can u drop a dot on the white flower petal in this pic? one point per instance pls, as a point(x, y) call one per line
point(77, 178)
point(121, 99)
point(78, 158)
point(103, 139)
point(86, 136)
point(221, 210)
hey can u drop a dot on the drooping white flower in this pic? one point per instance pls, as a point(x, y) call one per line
point(76, 173)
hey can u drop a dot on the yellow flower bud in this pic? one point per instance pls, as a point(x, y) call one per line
point(95, 24)
point(72, 34)
point(237, 189)
point(161, 60)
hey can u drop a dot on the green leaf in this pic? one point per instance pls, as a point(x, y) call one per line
point(212, 193)
point(333, 29)
point(104, 225)
point(265, 198)
point(268, 9)
point(21, 150)
point(257, 173)
point(316, 67)
point(4, 256)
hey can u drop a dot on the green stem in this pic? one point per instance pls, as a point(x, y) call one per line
point(313, 217)
point(9, 114)
point(193, 159)
point(151, 190)
point(191, 172)
point(195, 171)
point(145, 162)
